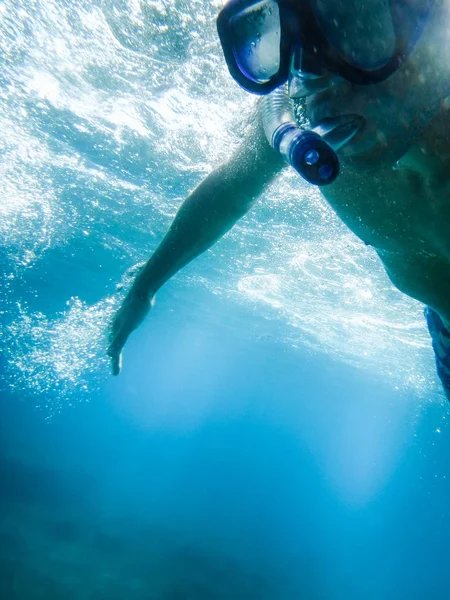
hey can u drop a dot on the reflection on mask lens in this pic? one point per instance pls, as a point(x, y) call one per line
point(256, 40)
point(362, 31)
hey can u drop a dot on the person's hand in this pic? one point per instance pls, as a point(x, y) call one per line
point(129, 316)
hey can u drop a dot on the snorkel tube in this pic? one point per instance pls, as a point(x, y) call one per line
point(305, 150)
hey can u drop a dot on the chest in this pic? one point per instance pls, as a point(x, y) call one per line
point(405, 208)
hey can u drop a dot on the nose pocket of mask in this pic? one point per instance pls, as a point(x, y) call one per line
point(305, 64)
point(307, 76)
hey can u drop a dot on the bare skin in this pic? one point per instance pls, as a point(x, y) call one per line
point(401, 209)
point(403, 213)
point(211, 210)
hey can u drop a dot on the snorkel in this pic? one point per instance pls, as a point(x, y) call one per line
point(306, 151)
point(260, 38)
point(311, 152)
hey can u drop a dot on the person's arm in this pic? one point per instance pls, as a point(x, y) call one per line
point(211, 210)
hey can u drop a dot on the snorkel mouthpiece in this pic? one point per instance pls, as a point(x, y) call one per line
point(306, 151)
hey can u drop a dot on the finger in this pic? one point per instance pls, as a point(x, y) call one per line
point(116, 363)
point(114, 351)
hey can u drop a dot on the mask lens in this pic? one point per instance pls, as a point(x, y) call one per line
point(255, 34)
point(362, 32)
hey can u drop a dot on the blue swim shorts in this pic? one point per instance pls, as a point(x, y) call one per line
point(440, 337)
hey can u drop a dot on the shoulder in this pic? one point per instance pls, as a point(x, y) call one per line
point(431, 153)
point(436, 137)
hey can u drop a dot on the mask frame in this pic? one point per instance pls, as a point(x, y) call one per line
point(299, 27)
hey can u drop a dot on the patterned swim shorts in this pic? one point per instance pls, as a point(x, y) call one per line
point(440, 337)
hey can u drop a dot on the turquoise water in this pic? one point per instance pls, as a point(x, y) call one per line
point(278, 430)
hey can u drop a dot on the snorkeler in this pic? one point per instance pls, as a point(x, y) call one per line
point(372, 78)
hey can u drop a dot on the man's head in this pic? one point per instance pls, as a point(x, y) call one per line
point(381, 59)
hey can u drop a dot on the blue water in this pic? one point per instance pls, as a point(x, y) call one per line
point(278, 431)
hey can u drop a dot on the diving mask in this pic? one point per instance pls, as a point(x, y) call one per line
point(362, 41)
